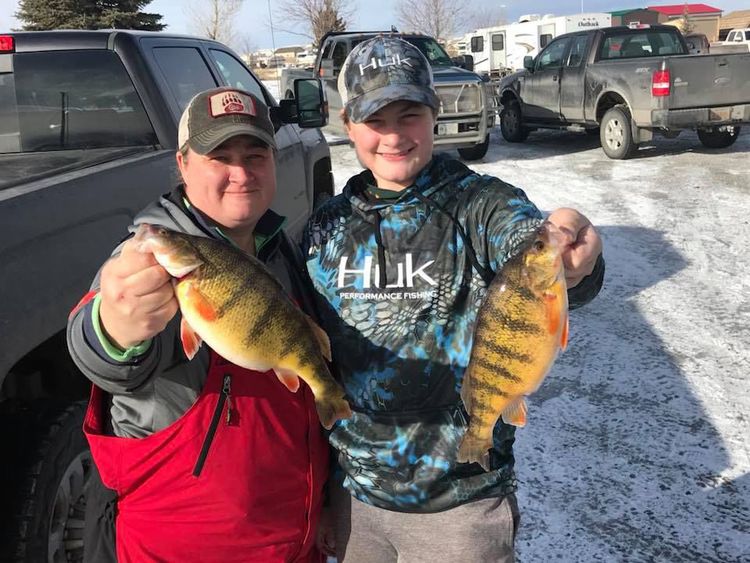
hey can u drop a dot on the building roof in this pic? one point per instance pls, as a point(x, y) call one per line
point(625, 12)
point(739, 18)
point(679, 9)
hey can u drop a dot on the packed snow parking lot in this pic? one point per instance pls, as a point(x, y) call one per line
point(637, 447)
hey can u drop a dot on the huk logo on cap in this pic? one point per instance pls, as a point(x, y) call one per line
point(395, 60)
point(232, 102)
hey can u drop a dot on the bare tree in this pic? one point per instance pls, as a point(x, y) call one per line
point(317, 17)
point(438, 18)
point(215, 18)
point(487, 16)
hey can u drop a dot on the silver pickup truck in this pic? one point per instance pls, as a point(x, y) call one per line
point(467, 103)
point(626, 84)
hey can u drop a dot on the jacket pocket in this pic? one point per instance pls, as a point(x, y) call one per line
point(225, 398)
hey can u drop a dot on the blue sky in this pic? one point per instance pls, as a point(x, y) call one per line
point(368, 15)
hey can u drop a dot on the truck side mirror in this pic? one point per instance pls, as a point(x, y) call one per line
point(464, 61)
point(308, 109)
point(528, 63)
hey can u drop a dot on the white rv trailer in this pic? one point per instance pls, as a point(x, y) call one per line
point(500, 50)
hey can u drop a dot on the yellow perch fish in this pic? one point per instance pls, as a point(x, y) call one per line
point(521, 327)
point(233, 303)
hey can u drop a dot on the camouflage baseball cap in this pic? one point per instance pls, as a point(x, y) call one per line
point(215, 115)
point(382, 70)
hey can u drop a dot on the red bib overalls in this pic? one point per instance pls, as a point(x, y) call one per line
point(238, 478)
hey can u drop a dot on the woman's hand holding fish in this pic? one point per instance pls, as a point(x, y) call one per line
point(579, 242)
point(137, 297)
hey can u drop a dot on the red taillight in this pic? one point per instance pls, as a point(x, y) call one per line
point(660, 82)
point(7, 45)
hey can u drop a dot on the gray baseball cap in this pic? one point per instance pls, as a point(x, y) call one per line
point(383, 70)
point(213, 116)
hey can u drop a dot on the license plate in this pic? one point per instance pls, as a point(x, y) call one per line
point(447, 129)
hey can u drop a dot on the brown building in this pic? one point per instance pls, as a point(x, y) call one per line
point(641, 15)
point(691, 18)
point(733, 20)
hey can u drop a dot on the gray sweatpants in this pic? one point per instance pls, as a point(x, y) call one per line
point(482, 531)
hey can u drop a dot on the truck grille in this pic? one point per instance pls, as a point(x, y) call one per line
point(459, 98)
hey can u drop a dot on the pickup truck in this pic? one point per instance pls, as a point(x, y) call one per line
point(467, 108)
point(625, 84)
point(88, 134)
point(737, 41)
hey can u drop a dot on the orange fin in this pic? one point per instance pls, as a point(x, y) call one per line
point(515, 413)
point(191, 342)
point(321, 337)
point(288, 378)
point(564, 335)
point(198, 301)
point(552, 304)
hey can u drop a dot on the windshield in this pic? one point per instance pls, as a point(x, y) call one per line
point(431, 49)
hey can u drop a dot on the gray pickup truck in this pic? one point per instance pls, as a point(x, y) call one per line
point(88, 133)
point(467, 103)
point(625, 84)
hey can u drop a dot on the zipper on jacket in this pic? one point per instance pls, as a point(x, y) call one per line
point(224, 397)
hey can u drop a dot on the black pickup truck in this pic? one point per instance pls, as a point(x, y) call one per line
point(625, 83)
point(88, 134)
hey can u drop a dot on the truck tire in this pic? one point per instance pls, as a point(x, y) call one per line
point(511, 125)
point(50, 503)
point(715, 139)
point(477, 151)
point(616, 133)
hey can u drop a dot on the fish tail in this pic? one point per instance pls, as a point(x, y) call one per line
point(475, 449)
point(332, 409)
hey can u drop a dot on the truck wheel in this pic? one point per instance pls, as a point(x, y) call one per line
point(49, 520)
point(616, 134)
point(511, 124)
point(477, 151)
point(716, 139)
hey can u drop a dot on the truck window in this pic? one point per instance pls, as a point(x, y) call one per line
point(235, 73)
point(186, 72)
point(552, 56)
point(498, 44)
point(643, 44)
point(62, 100)
point(339, 55)
point(431, 49)
point(577, 50)
point(477, 44)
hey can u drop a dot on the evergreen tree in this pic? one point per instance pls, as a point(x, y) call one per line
point(38, 15)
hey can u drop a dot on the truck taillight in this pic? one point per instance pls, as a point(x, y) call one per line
point(660, 82)
point(7, 45)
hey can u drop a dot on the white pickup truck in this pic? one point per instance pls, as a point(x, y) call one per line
point(737, 41)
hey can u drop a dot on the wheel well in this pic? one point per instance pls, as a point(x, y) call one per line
point(46, 372)
point(507, 97)
point(607, 102)
point(323, 177)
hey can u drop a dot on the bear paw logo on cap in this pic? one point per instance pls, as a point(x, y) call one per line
point(232, 103)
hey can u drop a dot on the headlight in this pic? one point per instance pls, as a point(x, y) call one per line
point(460, 98)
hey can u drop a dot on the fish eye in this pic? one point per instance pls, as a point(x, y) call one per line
point(538, 245)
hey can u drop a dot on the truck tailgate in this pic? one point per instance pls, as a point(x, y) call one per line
point(709, 80)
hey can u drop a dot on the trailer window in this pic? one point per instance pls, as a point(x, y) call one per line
point(477, 44)
point(544, 40)
point(58, 101)
point(498, 42)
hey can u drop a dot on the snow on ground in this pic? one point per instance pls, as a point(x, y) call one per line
point(638, 442)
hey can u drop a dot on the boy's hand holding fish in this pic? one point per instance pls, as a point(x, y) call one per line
point(580, 244)
point(137, 297)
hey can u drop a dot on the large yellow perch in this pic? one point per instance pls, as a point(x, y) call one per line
point(521, 326)
point(232, 302)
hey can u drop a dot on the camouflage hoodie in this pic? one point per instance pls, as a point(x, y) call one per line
point(399, 283)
